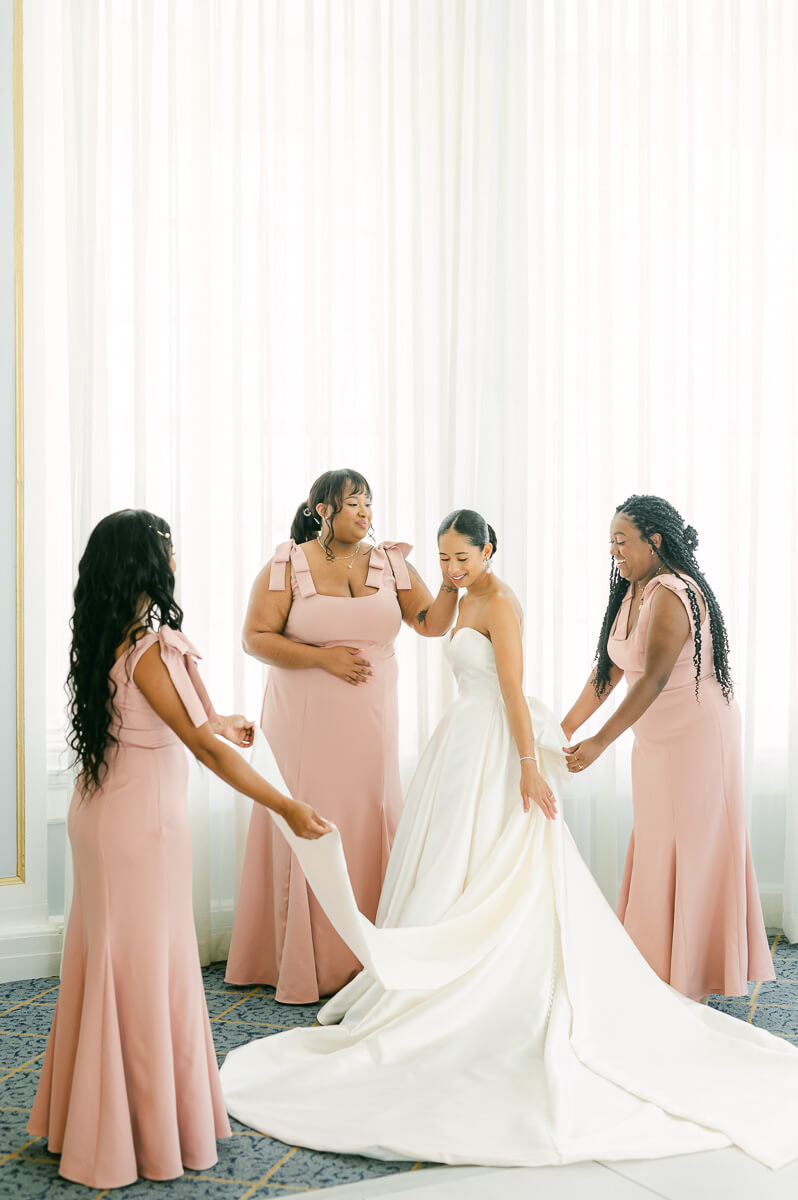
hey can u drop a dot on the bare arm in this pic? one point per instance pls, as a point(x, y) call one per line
point(668, 630)
point(588, 702)
point(430, 618)
point(262, 636)
point(505, 634)
point(155, 683)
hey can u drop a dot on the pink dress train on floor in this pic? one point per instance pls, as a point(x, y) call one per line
point(689, 896)
point(337, 748)
point(130, 1084)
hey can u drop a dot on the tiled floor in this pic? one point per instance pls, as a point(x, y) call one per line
point(251, 1165)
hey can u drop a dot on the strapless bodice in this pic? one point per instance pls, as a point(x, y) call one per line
point(472, 659)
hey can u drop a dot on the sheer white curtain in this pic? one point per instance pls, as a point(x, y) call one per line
point(525, 257)
point(663, 317)
point(291, 241)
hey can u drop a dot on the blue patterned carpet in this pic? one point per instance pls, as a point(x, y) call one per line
point(249, 1164)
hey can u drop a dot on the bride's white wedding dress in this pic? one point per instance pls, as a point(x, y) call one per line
point(504, 1015)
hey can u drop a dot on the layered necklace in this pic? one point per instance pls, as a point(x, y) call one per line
point(342, 557)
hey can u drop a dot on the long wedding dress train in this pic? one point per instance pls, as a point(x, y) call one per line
point(503, 1017)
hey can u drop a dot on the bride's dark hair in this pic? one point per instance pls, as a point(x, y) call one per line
point(473, 526)
point(125, 585)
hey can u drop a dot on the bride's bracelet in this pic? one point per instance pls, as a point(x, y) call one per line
point(531, 757)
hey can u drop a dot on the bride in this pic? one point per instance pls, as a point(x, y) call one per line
point(503, 1016)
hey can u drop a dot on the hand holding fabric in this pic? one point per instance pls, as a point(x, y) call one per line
point(581, 755)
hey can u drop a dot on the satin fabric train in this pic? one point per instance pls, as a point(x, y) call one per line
point(504, 1017)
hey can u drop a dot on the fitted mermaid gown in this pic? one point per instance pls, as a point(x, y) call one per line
point(504, 1016)
point(329, 739)
point(130, 1084)
point(689, 898)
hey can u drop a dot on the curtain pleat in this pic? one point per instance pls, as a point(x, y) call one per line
point(528, 258)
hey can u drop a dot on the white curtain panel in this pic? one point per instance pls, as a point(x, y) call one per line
point(663, 310)
point(525, 257)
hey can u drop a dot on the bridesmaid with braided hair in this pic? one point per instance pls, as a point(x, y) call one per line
point(689, 896)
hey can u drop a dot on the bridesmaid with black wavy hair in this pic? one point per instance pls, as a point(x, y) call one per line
point(689, 897)
point(130, 1084)
point(323, 615)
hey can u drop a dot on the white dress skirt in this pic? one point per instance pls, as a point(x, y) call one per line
point(503, 1016)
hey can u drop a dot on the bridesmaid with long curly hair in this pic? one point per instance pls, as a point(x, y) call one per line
point(130, 1084)
point(689, 896)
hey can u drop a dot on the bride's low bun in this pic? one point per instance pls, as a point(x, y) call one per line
point(473, 526)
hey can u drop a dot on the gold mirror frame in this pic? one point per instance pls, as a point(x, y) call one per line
point(19, 445)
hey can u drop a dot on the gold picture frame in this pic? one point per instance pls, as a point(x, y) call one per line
point(19, 877)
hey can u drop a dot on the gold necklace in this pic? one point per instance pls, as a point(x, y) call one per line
point(654, 576)
point(342, 557)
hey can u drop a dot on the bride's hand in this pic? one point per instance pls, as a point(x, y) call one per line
point(446, 583)
point(534, 789)
point(582, 754)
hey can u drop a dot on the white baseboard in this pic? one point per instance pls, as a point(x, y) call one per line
point(772, 905)
point(31, 952)
point(217, 944)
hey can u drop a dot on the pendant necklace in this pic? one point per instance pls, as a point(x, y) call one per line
point(654, 576)
point(342, 557)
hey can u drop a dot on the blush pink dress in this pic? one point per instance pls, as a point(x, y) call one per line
point(337, 748)
point(689, 896)
point(130, 1084)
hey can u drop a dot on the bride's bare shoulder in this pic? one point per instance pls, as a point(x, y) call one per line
point(504, 605)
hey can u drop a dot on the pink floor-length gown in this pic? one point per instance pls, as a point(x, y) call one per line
point(337, 748)
point(689, 896)
point(130, 1084)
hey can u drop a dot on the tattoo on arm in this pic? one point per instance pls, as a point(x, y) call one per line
point(422, 616)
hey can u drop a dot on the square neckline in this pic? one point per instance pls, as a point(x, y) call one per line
point(326, 595)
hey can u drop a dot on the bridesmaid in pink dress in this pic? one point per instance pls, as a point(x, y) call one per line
point(689, 896)
point(324, 614)
point(130, 1084)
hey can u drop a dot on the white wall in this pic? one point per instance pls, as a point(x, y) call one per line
point(8, 779)
point(29, 941)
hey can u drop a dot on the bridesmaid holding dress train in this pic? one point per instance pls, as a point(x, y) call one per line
point(323, 614)
point(130, 1084)
point(689, 896)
